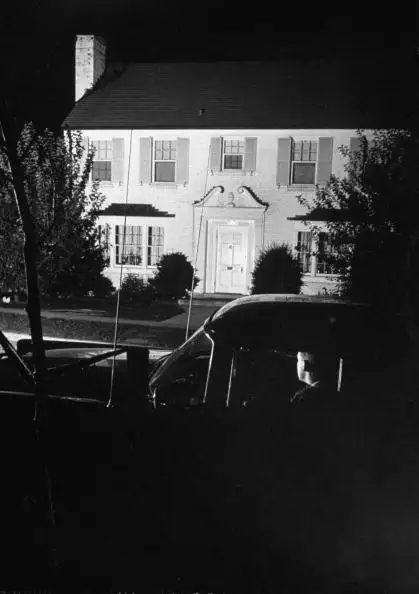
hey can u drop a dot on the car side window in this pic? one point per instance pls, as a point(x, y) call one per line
point(261, 377)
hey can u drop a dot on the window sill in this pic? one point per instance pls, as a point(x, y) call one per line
point(301, 187)
point(236, 172)
point(162, 184)
point(109, 184)
point(318, 275)
point(140, 267)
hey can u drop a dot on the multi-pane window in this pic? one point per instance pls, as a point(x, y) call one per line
point(129, 248)
point(303, 248)
point(316, 253)
point(164, 160)
point(138, 241)
point(303, 162)
point(326, 252)
point(155, 244)
point(233, 154)
point(102, 160)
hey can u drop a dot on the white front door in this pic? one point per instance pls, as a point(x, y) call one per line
point(231, 260)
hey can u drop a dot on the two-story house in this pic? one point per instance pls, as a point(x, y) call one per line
point(209, 158)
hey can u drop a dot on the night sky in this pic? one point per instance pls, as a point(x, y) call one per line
point(37, 40)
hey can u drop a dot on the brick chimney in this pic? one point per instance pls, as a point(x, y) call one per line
point(90, 62)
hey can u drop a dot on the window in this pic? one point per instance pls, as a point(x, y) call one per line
point(303, 162)
point(132, 252)
point(304, 250)
point(139, 241)
point(102, 160)
point(233, 154)
point(326, 252)
point(261, 377)
point(316, 253)
point(164, 160)
point(155, 243)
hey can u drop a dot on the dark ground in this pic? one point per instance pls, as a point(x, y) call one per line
point(194, 501)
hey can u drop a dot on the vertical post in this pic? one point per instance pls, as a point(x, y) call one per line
point(138, 367)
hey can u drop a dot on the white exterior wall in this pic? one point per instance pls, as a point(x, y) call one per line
point(178, 199)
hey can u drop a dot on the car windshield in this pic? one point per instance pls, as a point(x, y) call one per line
point(198, 344)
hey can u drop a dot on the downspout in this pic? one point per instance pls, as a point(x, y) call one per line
point(263, 228)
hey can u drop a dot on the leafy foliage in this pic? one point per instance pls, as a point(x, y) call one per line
point(71, 255)
point(101, 287)
point(277, 270)
point(373, 217)
point(173, 278)
point(137, 290)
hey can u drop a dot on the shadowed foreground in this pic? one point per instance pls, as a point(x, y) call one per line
point(259, 500)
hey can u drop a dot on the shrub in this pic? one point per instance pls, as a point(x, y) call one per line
point(69, 286)
point(173, 278)
point(277, 270)
point(102, 287)
point(137, 290)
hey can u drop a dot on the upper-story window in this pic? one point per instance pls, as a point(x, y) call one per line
point(303, 162)
point(164, 166)
point(102, 162)
point(233, 154)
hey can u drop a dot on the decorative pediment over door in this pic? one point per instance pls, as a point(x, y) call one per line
point(243, 197)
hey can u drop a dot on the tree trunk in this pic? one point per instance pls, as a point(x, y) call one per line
point(33, 308)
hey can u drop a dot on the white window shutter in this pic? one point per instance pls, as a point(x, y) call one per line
point(355, 144)
point(283, 164)
point(250, 152)
point(146, 144)
point(83, 160)
point(215, 153)
point(324, 161)
point(182, 160)
point(117, 160)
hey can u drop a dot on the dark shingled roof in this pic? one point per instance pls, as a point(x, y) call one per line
point(289, 94)
point(135, 210)
point(322, 214)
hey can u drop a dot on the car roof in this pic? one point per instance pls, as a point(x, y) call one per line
point(294, 323)
point(256, 301)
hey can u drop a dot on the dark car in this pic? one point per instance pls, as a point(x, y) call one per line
point(223, 485)
point(254, 340)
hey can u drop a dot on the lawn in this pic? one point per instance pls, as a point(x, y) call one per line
point(93, 327)
point(158, 311)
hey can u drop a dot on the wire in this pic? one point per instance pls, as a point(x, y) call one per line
point(118, 299)
point(197, 247)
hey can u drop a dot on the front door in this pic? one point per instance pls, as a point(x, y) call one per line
point(231, 261)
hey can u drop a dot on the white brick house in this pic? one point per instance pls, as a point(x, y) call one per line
point(208, 159)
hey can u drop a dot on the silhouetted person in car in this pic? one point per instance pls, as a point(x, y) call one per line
point(318, 373)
